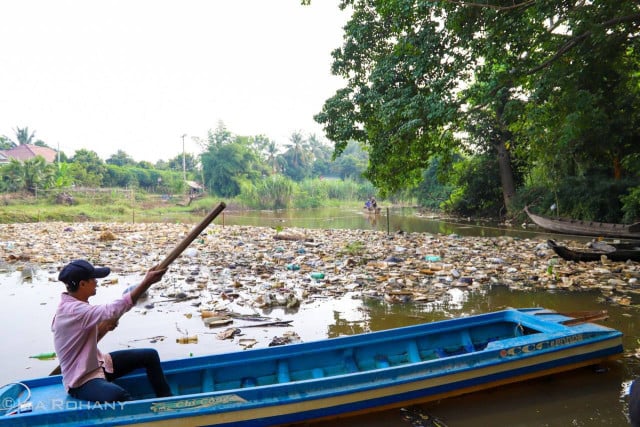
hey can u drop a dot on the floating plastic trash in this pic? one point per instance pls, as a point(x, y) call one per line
point(317, 275)
point(187, 340)
point(432, 258)
point(293, 267)
point(43, 356)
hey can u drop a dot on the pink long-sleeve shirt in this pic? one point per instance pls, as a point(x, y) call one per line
point(75, 337)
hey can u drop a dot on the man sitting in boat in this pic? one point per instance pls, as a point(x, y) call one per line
point(78, 326)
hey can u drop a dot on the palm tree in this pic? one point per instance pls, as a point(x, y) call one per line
point(34, 172)
point(12, 176)
point(298, 148)
point(272, 156)
point(23, 136)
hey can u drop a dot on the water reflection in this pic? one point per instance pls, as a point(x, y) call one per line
point(390, 220)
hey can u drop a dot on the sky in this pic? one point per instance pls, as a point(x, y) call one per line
point(136, 75)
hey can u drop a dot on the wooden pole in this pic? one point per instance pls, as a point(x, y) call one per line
point(192, 235)
point(388, 230)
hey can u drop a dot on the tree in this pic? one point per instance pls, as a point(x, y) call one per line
point(29, 175)
point(12, 176)
point(176, 164)
point(63, 176)
point(23, 136)
point(89, 168)
point(37, 174)
point(121, 159)
point(6, 143)
point(419, 74)
point(351, 163)
point(227, 163)
point(297, 157)
point(273, 157)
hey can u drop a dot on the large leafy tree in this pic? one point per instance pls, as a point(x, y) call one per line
point(88, 169)
point(421, 73)
point(229, 162)
point(121, 158)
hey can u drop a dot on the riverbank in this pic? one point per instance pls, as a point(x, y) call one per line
point(268, 267)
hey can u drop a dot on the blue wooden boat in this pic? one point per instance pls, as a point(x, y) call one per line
point(334, 377)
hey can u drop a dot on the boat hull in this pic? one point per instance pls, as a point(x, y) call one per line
point(342, 376)
point(622, 255)
point(585, 228)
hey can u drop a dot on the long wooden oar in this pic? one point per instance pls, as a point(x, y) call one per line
point(175, 253)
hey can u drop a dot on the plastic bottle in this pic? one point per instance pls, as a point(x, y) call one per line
point(44, 356)
point(293, 267)
point(317, 275)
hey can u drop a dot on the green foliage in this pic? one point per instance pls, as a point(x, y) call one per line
point(297, 158)
point(121, 159)
point(433, 190)
point(274, 192)
point(6, 143)
point(88, 169)
point(30, 175)
point(354, 248)
point(543, 86)
point(24, 136)
point(176, 163)
point(230, 162)
point(477, 188)
point(311, 194)
point(596, 198)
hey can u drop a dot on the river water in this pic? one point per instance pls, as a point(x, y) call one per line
point(585, 397)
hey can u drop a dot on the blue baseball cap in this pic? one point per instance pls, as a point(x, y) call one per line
point(79, 270)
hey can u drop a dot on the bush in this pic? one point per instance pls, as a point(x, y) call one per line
point(274, 192)
point(631, 205)
point(596, 198)
point(478, 190)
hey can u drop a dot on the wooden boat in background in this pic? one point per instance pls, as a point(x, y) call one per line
point(623, 253)
point(333, 377)
point(585, 228)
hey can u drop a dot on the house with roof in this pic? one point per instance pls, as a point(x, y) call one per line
point(28, 151)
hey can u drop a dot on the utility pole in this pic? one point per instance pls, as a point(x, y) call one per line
point(184, 163)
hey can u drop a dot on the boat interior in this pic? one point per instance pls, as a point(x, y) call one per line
point(310, 364)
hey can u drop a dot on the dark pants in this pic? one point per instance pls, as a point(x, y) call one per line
point(124, 361)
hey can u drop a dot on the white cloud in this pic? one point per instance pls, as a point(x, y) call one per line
point(136, 75)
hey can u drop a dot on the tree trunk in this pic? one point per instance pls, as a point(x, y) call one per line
point(506, 174)
point(504, 158)
point(617, 168)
